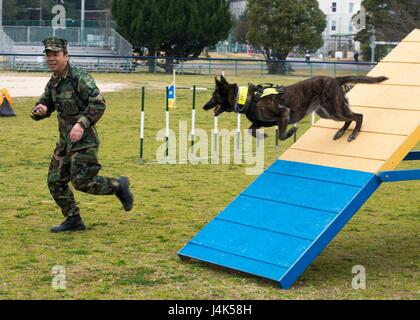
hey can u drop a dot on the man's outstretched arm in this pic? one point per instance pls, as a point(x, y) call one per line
point(44, 107)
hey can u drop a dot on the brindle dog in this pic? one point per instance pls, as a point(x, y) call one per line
point(324, 95)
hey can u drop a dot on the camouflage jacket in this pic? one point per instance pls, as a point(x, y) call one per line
point(85, 105)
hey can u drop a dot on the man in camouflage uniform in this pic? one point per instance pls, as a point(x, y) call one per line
point(73, 94)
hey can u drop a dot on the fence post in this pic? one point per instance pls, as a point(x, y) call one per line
point(261, 68)
point(236, 67)
point(209, 67)
point(335, 69)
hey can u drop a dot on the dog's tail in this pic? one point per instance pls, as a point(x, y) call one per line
point(361, 79)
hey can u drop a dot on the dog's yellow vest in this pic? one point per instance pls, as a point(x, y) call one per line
point(269, 91)
point(243, 94)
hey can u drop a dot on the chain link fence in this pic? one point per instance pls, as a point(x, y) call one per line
point(198, 66)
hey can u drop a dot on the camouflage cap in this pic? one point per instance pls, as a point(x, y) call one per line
point(55, 44)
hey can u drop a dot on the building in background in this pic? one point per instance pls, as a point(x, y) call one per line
point(339, 33)
point(89, 32)
point(237, 7)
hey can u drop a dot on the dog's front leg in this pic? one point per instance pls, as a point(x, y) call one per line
point(282, 122)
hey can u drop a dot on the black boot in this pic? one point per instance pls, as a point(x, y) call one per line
point(72, 223)
point(124, 193)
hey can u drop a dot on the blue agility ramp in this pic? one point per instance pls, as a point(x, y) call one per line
point(278, 225)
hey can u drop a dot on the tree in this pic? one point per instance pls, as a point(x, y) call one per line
point(241, 28)
point(278, 26)
point(10, 10)
point(173, 28)
point(391, 20)
point(103, 4)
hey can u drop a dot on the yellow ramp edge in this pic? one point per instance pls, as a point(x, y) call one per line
point(391, 111)
point(402, 151)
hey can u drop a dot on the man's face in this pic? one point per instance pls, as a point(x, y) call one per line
point(56, 61)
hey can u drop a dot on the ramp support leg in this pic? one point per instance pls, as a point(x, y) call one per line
point(402, 175)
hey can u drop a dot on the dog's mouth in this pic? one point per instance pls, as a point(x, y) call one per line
point(218, 109)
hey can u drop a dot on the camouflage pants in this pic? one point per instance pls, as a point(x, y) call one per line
point(81, 169)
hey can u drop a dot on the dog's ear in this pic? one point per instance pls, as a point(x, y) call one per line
point(218, 83)
point(223, 80)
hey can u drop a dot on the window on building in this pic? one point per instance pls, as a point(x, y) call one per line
point(350, 27)
point(333, 25)
point(334, 7)
point(351, 7)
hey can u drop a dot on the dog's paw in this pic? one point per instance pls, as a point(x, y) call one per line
point(338, 135)
point(291, 132)
point(352, 137)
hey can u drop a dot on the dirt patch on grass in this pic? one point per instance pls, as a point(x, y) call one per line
point(30, 86)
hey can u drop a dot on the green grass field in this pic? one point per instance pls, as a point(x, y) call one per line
point(133, 255)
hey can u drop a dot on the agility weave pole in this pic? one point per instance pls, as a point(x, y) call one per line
point(193, 120)
point(167, 124)
point(275, 234)
point(216, 135)
point(142, 124)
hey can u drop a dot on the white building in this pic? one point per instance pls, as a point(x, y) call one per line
point(237, 7)
point(338, 15)
point(339, 33)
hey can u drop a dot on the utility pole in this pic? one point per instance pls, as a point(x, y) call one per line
point(82, 21)
point(1, 14)
point(40, 13)
point(372, 45)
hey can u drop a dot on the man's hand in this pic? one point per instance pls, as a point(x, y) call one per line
point(40, 110)
point(76, 133)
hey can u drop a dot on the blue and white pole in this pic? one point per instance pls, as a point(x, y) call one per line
point(167, 125)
